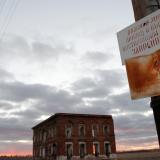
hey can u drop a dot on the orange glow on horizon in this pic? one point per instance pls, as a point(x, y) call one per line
point(125, 147)
point(16, 153)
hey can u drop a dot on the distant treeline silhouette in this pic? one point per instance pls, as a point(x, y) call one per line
point(16, 158)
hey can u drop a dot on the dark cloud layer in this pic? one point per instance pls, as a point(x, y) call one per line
point(17, 48)
point(17, 91)
point(103, 84)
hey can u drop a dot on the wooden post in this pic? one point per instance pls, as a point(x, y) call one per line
point(141, 9)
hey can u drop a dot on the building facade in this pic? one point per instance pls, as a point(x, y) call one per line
point(66, 136)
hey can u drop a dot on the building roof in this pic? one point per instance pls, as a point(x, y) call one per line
point(72, 115)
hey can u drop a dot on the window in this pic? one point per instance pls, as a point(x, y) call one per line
point(49, 149)
point(53, 132)
point(96, 150)
point(36, 138)
point(54, 151)
point(68, 131)
point(105, 130)
point(69, 150)
point(40, 151)
point(40, 136)
point(81, 130)
point(44, 136)
point(43, 152)
point(50, 132)
point(94, 130)
point(107, 149)
point(82, 149)
point(37, 152)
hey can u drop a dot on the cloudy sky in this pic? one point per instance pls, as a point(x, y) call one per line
point(63, 56)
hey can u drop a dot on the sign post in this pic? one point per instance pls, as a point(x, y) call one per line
point(143, 8)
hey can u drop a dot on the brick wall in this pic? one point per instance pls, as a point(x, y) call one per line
point(94, 133)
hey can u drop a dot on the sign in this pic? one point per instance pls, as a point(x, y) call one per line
point(140, 51)
point(141, 38)
point(144, 75)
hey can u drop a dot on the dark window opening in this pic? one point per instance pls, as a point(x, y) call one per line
point(94, 130)
point(54, 152)
point(69, 151)
point(107, 149)
point(106, 130)
point(81, 131)
point(68, 131)
point(82, 150)
point(96, 149)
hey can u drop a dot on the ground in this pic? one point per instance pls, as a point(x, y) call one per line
point(140, 155)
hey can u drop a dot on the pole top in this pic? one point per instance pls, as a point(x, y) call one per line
point(143, 8)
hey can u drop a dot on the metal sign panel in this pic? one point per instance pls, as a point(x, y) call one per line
point(141, 38)
point(144, 75)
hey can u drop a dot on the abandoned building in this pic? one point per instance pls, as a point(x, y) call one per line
point(66, 136)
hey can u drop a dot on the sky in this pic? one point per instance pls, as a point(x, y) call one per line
point(63, 56)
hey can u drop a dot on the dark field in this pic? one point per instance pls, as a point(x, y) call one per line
point(140, 155)
point(16, 158)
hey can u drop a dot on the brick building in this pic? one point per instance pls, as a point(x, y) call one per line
point(66, 136)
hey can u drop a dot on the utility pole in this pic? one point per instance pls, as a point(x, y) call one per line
point(141, 9)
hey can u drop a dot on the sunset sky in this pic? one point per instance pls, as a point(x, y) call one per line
point(63, 56)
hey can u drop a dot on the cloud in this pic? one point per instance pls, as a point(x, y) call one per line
point(113, 78)
point(18, 91)
point(25, 104)
point(17, 48)
point(44, 51)
point(5, 105)
point(60, 101)
point(124, 103)
point(84, 84)
point(15, 129)
point(97, 58)
point(89, 88)
point(101, 85)
point(14, 46)
point(5, 75)
point(133, 122)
